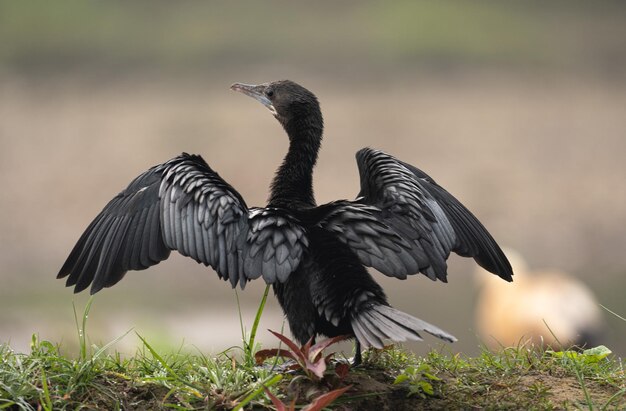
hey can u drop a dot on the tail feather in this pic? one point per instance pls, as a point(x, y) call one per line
point(365, 336)
point(386, 330)
point(381, 322)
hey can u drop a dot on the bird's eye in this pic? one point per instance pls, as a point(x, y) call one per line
point(269, 93)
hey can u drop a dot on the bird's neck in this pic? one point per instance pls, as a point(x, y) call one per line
point(292, 186)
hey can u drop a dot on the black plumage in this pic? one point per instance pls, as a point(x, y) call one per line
point(401, 223)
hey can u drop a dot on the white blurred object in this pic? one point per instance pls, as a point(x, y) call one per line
point(547, 307)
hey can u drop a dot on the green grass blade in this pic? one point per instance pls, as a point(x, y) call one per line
point(257, 320)
point(165, 365)
point(583, 386)
point(615, 396)
point(109, 344)
point(272, 381)
point(47, 402)
point(241, 327)
point(82, 331)
point(158, 357)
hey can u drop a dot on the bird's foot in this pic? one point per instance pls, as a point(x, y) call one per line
point(358, 358)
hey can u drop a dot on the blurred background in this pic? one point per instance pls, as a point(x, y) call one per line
point(517, 108)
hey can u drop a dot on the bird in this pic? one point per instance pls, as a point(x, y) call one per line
point(547, 307)
point(314, 256)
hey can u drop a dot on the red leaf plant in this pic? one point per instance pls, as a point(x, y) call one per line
point(317, 405)
point(308, 357)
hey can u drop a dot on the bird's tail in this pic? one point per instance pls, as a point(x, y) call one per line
point(382, 322)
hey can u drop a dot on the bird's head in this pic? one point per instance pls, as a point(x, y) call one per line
point(289, 102)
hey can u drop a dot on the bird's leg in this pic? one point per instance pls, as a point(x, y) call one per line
point(358, 359)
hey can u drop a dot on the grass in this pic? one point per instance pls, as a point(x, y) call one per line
point(529, 378)
point(522, 377)
point(513, 378)
point(47, 379)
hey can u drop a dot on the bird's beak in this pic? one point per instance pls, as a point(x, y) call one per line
point(257, 92)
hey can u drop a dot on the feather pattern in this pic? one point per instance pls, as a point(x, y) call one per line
point(378, 322)
point(184, 205)
point(403, 222)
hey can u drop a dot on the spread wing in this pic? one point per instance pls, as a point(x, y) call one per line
point(184, 205)
point(403, 222)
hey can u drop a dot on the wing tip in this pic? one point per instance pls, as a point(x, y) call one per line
point(93, 290)
point(497, 264)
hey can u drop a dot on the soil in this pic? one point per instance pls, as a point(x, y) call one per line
point(373, 389)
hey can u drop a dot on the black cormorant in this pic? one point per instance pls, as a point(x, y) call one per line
point(401, 223)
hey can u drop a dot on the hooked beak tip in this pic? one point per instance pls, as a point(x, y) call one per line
point(256, 92)
point(243, 88)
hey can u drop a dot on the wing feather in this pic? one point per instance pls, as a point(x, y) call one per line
point(403, 222)
point(184, 205)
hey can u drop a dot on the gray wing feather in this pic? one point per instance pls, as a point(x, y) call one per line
point(403, 222)
point(276, 242)
point(213, 225)
point(121, 238)
point(184, 205)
